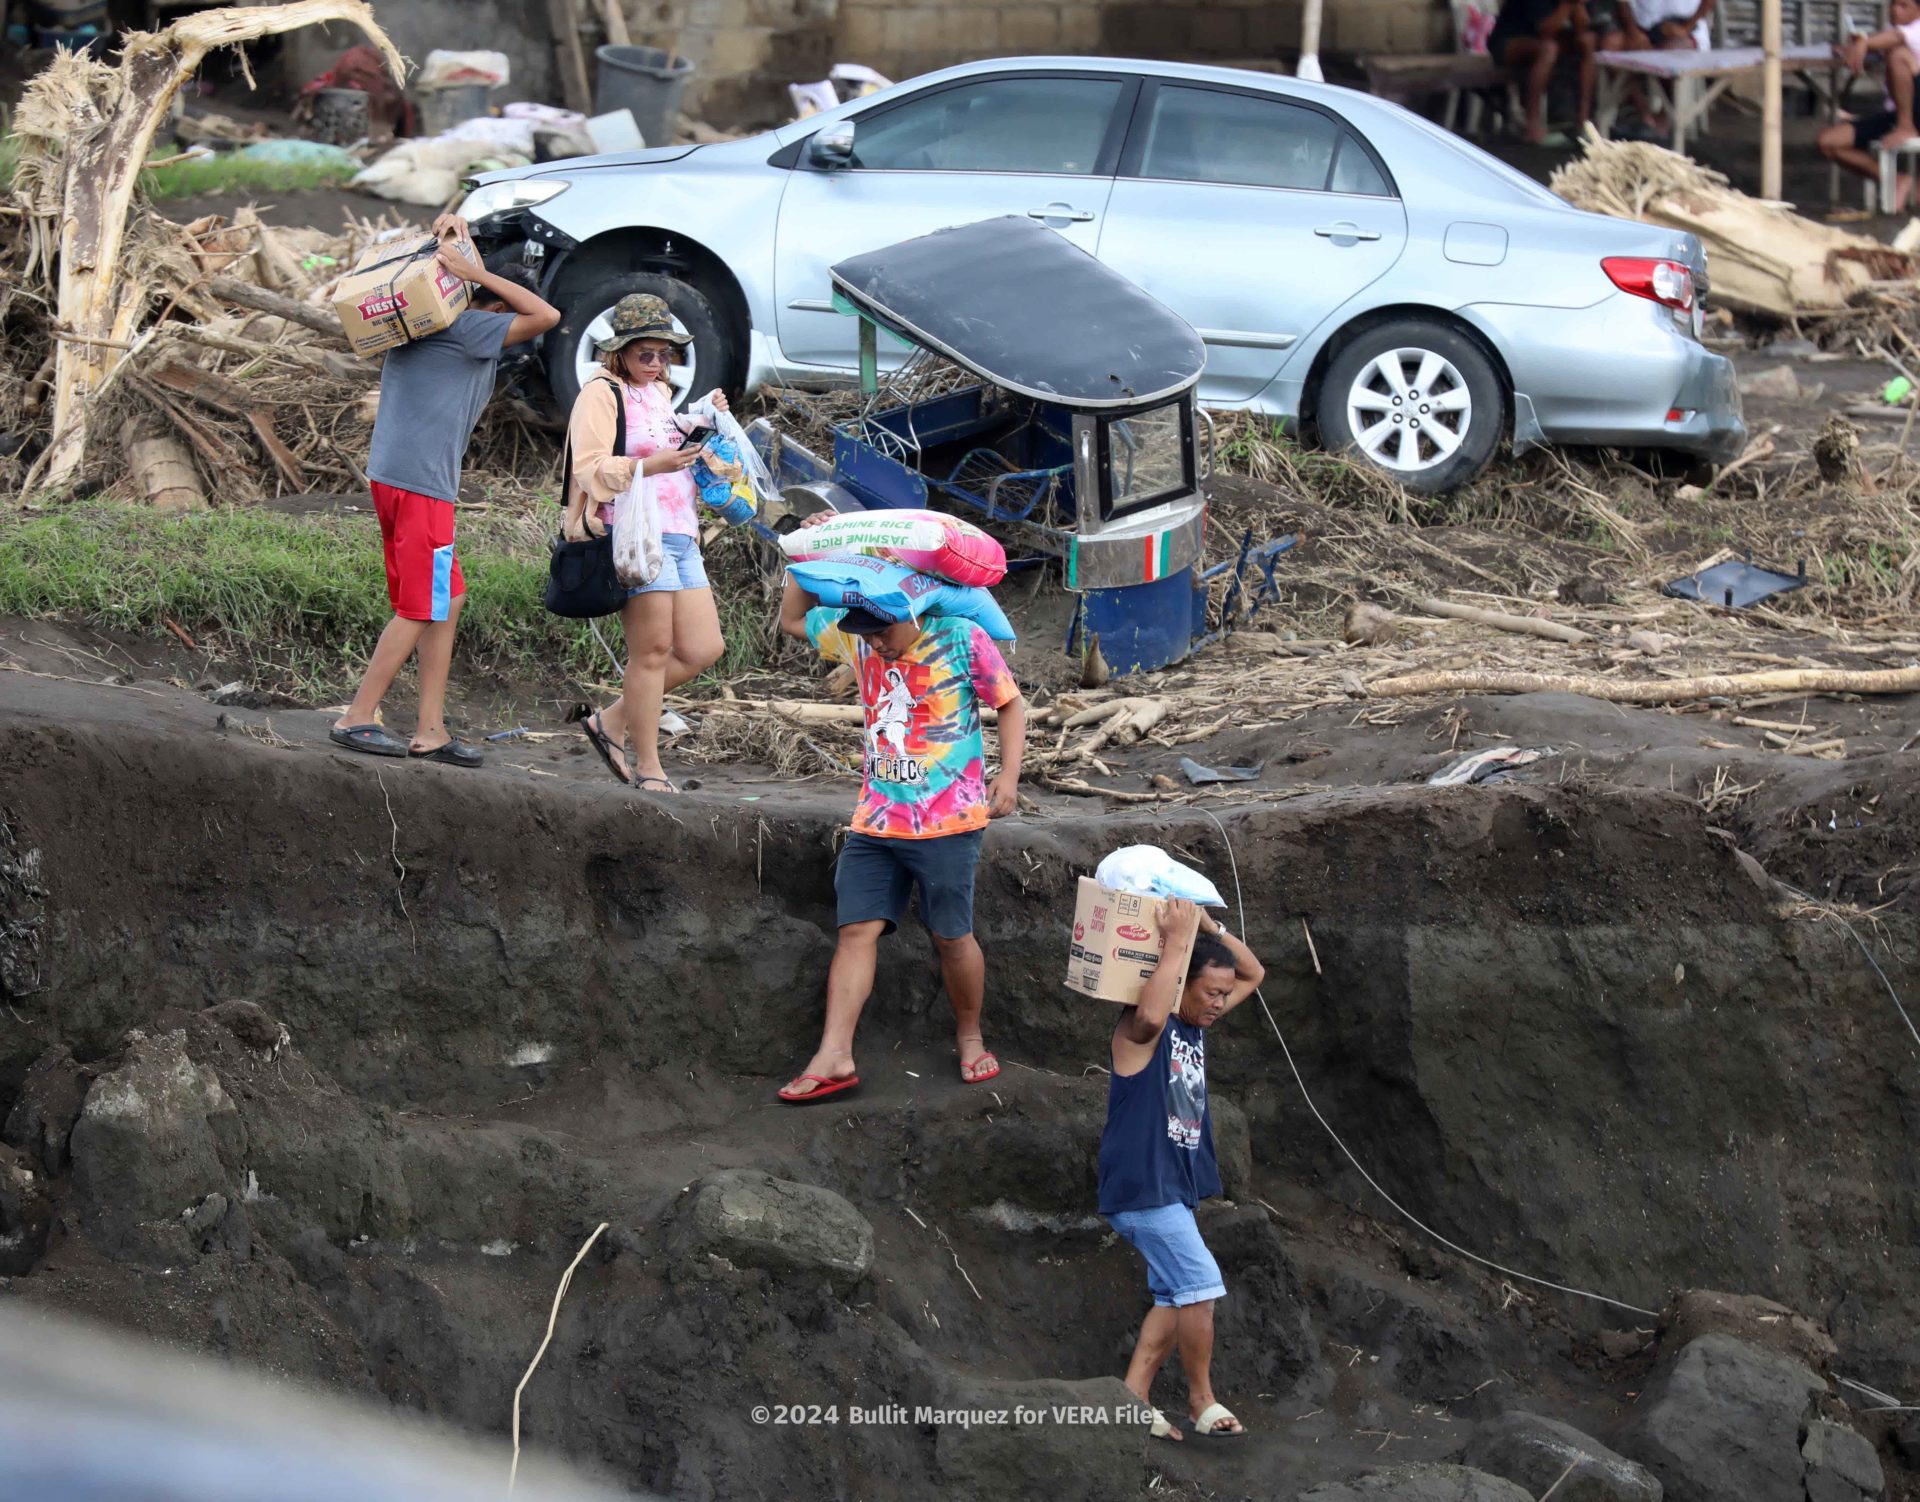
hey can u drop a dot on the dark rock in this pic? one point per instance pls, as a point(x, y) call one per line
point(1723, 1422)
point(1425, 1350)
point(1621, 1345)
point(1582, 589)
point(1535, 1452)
point(250, 1023)
point(1065, 1441)
point(1263, 1337)
point(755, 1220)
point(1232, 1148)
point(26, 1214)
point(1749, 1318)
point(1841, 1465)
point(50, 1100)
point(1420, 1483)
point(148, 1147)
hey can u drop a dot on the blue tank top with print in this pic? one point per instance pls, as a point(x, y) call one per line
point(1158, 1146)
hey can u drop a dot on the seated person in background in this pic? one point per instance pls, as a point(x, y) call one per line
point(1851, 143)
point(1659, 25)
point(1530, 39)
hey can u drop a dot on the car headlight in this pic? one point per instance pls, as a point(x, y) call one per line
point(519, 193)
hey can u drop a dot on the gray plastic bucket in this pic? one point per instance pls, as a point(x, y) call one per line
point(442, 109)
point(645, 80)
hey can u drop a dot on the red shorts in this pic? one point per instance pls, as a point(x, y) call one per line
point(423, 575)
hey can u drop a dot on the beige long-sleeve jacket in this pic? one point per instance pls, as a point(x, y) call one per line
point(599, 474)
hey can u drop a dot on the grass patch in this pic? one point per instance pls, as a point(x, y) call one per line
point(304, 597)
point(232, 173)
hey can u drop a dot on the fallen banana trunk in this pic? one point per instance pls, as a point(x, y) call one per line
point(1764, 257)
point(88, 130)
point(1653, 691)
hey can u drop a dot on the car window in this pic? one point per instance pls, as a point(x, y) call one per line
point(1354, 170)
point(1209, 136)
point(1051, 125)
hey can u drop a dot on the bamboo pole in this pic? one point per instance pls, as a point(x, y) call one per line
point(1654, 691)
point(1770, 179)
point(1309, 67)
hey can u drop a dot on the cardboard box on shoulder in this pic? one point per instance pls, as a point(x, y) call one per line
point(398, 292)
point(1117, 944)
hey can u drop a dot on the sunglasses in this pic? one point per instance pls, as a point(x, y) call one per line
point(650, 356)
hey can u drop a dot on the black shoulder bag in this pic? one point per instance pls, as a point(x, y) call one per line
point(581, 582)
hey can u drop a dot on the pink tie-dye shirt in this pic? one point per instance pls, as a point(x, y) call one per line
point(926, 768)
point(650, 428)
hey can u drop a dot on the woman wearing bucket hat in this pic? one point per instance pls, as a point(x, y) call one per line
point(672, 625)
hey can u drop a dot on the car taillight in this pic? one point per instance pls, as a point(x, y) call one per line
point(1666, 282)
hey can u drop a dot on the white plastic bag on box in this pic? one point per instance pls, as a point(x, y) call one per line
point(637, 553)
point(1150, 871)
point(704, 411)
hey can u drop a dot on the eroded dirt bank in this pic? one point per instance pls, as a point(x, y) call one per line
point(405, 1036)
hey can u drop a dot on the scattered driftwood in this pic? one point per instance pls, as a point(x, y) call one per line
point(1656, 691)
point(163, 471)
point(89, 129)
point(1522, 625)
point(306, 315)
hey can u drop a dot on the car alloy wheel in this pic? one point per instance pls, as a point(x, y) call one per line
point(1409, 409)
point(586, 359)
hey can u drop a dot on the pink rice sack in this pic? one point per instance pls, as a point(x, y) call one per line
point(929, 542)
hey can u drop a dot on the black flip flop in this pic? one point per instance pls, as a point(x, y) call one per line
point(372, 739)
point(456, 753)
point(603, 743)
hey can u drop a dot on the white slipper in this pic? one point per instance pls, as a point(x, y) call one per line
point(1161, 1428)
point(1210, 1420)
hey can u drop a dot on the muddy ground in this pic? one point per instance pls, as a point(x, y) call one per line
point(1563, 1021)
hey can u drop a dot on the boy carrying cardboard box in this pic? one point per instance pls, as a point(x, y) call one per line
point(432, 391)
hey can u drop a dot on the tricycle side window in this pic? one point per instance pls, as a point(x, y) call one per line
point(1146, 459)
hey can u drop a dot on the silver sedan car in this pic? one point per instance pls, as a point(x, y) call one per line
point(1353, 268)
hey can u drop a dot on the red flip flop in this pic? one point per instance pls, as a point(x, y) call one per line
point(977, 1078)
point(828, 1087)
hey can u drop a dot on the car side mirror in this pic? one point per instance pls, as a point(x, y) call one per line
point(832, 147)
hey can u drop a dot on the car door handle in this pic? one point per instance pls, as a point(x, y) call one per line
point(1061, 211)
point(1345, 230)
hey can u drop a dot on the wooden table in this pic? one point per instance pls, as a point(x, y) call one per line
point(1698, 78)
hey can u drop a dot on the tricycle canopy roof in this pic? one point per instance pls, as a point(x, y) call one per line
point(1025, 309)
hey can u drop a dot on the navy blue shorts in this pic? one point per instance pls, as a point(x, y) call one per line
point(874, 878)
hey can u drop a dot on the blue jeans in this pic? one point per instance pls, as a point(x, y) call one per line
point(1180, 1269)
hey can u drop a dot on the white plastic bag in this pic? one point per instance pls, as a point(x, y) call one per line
point(704, 411)
point(637, 553)
point(1150, 871)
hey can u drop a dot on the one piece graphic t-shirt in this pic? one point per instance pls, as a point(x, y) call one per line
point(651, 427)
point(1158, 1146)
point(926, 771)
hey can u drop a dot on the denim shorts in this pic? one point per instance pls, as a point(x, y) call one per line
point(1180, 1269)
point(681, 566)
point(874, 878)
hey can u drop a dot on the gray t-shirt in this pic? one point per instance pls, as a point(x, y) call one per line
point(432, 392)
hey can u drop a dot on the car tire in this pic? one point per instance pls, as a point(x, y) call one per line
point(1434, 428)
point(718, 351)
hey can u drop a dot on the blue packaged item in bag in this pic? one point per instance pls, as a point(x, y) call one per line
point(722, 481)
point(896, 593)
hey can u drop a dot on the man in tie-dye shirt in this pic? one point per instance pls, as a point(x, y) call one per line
point(922, 816)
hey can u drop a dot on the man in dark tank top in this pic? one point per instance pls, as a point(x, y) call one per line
point(1156, 1154)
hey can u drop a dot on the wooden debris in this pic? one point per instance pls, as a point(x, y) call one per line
point(89, 128)
point(1370, 625)
point(1524, 625)
point(1667, 691)
point(163, 471)
point(246, 295)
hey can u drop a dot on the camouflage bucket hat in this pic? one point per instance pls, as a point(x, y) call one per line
point(640, 315)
